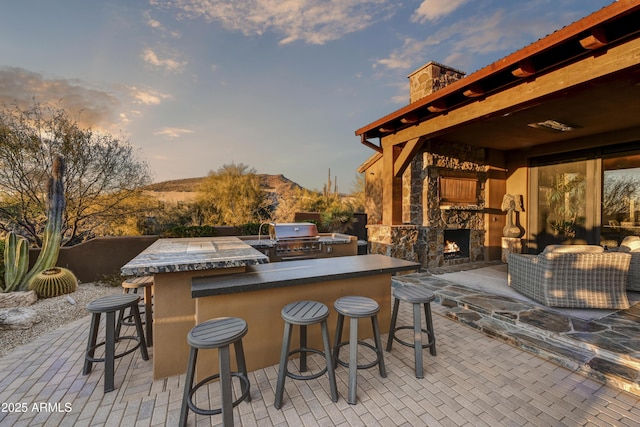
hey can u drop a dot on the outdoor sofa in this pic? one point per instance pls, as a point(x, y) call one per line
point(576, 276)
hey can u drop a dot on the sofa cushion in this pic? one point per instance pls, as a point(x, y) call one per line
point(573, 248)
point(630, 244)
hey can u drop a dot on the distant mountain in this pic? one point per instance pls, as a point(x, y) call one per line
point(271, 183)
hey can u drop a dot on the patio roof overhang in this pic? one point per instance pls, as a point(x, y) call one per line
point(586, 75)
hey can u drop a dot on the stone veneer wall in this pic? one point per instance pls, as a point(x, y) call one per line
point(430, 78)
point(398, 241)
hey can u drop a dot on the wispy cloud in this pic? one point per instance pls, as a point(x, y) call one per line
point(159, 27)
point(147, 96)
point(408, 55)
point(459, 43)
point(311, 21)
point(167, 61)
point(172, 133)
point(93, 107)
point(432, 10)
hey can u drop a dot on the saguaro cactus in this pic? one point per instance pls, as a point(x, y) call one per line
point(17, 252)
point(53, 231)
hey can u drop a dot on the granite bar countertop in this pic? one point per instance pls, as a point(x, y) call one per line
point(192, 254)
point(290, 273)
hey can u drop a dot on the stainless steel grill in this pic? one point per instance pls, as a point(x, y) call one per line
point(295, 240)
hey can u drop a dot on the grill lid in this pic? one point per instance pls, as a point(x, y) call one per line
point(293, 231)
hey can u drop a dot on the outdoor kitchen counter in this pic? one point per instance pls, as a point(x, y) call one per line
point(259, 294)
point(173, 263)
point(302, 272)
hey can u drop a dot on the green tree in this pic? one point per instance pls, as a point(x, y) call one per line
point(102, 175)
point(232, 195)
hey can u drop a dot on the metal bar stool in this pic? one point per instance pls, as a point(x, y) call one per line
point(217, 333)
point(109, 305)
point(304, 313)
point(134, 284)
point(357, 307)
point(415, 295)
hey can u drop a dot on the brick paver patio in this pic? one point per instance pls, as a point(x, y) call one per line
point(474, 380)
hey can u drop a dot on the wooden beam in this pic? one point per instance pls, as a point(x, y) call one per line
point(525, 69)
point(438, 106)
point(387, 129)
point(596, 40)
point(473, 91)
point(409, 119)
point(405, 156)
point(370, 144)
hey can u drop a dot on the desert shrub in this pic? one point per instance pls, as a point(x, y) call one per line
point(190, 231)
point(248, 229)
point(112, 280)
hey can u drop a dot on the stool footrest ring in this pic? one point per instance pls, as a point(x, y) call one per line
point(127, 320)
point(363, 343)
point(115, 356)
point(310, 376)
point(245, 386)
point(431, 342)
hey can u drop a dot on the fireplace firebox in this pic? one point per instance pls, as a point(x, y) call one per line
point(456, 244)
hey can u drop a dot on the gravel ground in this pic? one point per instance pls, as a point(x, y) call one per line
point(55, 312)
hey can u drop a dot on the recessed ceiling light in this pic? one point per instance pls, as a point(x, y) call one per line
point(553, 126)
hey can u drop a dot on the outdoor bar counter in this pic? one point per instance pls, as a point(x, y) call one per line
point(240, 284)
point(173, 263)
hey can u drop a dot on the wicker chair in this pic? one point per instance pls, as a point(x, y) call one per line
point(577, 276)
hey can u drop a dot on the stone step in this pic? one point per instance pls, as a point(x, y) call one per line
point(605, 349)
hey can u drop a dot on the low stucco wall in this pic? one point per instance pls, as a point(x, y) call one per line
point(99, 257)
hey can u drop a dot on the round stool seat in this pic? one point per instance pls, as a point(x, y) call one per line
point(414, 294)
point(112, 303)
point(305, 312)
point(217, 332)
point(356, 306)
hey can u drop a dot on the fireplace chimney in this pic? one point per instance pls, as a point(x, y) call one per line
point(430, 78)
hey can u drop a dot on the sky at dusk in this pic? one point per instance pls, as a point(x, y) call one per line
point(278, 85)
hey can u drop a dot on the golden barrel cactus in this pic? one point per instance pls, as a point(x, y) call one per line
point(54, 282)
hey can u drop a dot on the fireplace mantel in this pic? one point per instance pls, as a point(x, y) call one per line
point(461, 208)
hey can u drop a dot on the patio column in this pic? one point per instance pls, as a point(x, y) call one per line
point(391, 185)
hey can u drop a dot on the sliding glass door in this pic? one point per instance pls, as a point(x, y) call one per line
point(588, 197)
point(562, 202)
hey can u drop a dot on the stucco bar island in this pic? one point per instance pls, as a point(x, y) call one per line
point(199, 279)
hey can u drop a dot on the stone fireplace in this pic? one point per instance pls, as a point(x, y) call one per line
point(443, 200)
point(443, 194)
